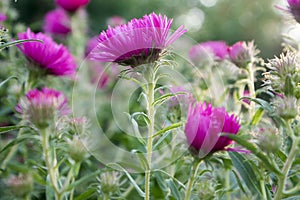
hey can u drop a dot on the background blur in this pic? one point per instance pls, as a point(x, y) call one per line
point(229, 20)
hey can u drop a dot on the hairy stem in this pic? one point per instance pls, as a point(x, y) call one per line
point(251, 81)
point(286, 169)
point(50, 161)
point(192, 178)
point(151, 114)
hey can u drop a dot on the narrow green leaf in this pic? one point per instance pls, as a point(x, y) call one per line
point(83, 179)
point(9, 128)
point(258, 153)
point(161, 140)
point(18, 42)
point(172, 177)
point(244, 168)
point(261, 102)
point(238, 180)
point(120, 168)
point(174, 190)
point(143, 161)
point(87, 194)
point(17, 141)
point(6, 80)
point(135, 128)
point(165, 97)
point(161, 182)
point(257, 116)
point(173, 126)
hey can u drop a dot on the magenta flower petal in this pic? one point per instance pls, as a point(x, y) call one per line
point(2, 17)
point(204, 125)
point(216, 49)
point(71, 5)
point(138, 42)
point(42, 107)
point(54, 58)
point(54, 26)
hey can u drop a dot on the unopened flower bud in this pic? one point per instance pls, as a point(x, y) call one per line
point(78, 125)
point(284, 65)
point(77, 149)
point(20, 185)
point(42, 108)
point(241, 53)
point(269, 140)
point(109, 182)
point(205, 189)
point(286, 107)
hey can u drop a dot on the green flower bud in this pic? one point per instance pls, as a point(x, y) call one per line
point(109, 182)
point(286, 107)
point(77, 150)
point(269, 139)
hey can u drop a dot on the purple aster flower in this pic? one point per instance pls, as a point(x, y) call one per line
point(57, 22)
point(294, 7)
point(214, 49)
point(140, 41)
point(41, 108)
point(2, 17)
point(203, 128)
point(54, 58)
point(71, 5)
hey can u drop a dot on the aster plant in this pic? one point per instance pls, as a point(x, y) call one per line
point(222, 133)
point(140, 44)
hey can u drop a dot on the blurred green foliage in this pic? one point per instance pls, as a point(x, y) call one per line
point(229, 20)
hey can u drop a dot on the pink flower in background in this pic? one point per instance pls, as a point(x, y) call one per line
point(90, 45)
point(54, 58)
point(57, 22)
point(42, 107)
point(203, 128)
point(99, 75)
point(294, 7)
point(71, 5)
point(2, 17)
point(116, 21)
point(242, 53)
point(215, 49)
point(140, 41)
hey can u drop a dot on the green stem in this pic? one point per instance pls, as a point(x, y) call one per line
point(151, 114)
point(285, 170)
point(251, 87)
point(263, 189)
point(106, 196)
point(50, 163)
point(227, 183)
point(192, 179)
